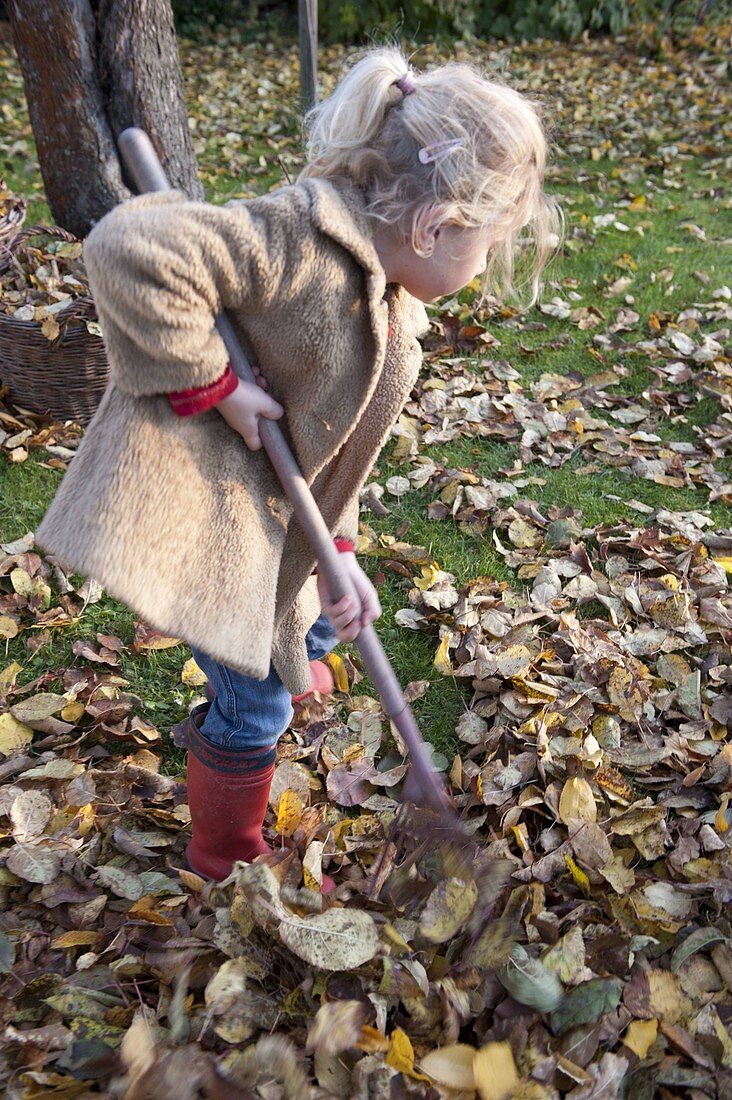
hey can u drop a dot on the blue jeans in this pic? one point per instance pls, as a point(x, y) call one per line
point(250, 714)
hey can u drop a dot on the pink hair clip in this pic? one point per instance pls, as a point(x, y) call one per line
point(430, 154)
point(406, 84)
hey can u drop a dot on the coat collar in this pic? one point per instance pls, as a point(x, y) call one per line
point(340, 213)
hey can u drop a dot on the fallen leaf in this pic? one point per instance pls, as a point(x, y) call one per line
point(577, 801)
point(451, 1066)
point(339, 939)
point(289, 813)
point(640, 1036)
point(449, 907)
point(495, 1072)
point(14, 735)
point(30, 813)
point(33, 863)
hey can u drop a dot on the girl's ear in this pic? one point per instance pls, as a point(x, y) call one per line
point(426, 224)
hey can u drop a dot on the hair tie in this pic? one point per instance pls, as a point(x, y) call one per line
point(431, 154)
point(406, 84)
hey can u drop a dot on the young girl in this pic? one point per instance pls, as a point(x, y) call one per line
point(415, 184)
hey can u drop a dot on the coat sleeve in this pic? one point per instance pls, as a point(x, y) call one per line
point(160, 269)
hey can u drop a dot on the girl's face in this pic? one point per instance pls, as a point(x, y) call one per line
point(454, 256)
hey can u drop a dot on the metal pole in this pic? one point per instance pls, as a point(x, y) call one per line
point(308, 24)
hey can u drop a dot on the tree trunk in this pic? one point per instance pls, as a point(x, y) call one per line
point(91, 69)
point(143, 85)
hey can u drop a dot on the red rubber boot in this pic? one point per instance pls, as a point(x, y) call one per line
point(228, 792)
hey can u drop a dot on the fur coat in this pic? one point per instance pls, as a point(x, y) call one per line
point(175, 516)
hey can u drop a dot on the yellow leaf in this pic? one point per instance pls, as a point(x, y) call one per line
point(447, 910)
point(442, 660)
point(522, 836)
point(22, 582)
point(309, 881)
point(391, 934)
point(721, 824)
point(191, 880)
point(640, 1036)
point(74, 939)
point(402, 449)
point(495, 1072)
point(580, 878)
point(150, 916)
point(55, 1086)
point(70, 250)
point(72, 712)
point(9, 675)
point(614, 783)
point(192, 674)
point(341, 827)
point(400, 1055)
point(626, 261)
point(718, 732)
point(8, 627)
point(666, 999)
point(451, 1066)
point(429, 576)
point(638, 203)
point(14, 735)
point(726, 563)
point(85, 818)
point(312, 866)
point(50, 328)
point(338, 669)
point(577, 801)
point(289, 812)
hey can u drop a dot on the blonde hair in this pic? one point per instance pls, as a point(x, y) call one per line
point(369, 132)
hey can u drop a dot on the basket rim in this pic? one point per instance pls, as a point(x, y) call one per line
point(32, 327)
point(8, 319)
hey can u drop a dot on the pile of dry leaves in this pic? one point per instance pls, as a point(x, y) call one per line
point(586, 950)
point(43, 279)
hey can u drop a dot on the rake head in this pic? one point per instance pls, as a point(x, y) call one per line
point(424, 847)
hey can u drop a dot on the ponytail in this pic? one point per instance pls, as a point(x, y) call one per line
point(352, 118)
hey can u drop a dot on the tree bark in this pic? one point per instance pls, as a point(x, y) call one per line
point(91, 69)
point(143, 84)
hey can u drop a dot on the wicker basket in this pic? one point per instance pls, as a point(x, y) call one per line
point(66, 378)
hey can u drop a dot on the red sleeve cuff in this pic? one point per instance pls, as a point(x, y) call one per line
point(344, 546)
point(201, 398)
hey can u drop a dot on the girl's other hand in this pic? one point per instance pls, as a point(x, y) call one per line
point(348, 617)
point(242, 408)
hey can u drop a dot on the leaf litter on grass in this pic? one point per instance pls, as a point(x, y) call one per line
point(596, 769)
point(595, 765)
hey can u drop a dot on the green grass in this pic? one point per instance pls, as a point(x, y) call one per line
point(667, 261)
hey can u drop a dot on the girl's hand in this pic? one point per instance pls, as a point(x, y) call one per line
point(348, 617)
point(242, 408)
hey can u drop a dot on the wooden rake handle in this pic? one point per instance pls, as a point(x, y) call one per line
point(424, 785)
